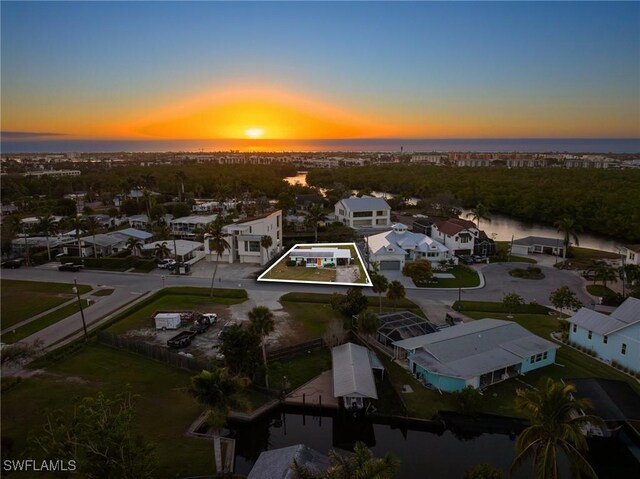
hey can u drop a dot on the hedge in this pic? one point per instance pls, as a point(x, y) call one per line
point(324, 298)
point(145, 264)
point(108, 262)
point(496, 307)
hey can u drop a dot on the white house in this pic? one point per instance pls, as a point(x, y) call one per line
point(392, 248)
point(632, 254)
point(537, 244)
point(456, 234)
point(180, 250)
point(612, 338)
point(244, 239)
point(187, 225)
point(364, 212)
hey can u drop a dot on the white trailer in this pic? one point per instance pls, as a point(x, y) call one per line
point(167, 320)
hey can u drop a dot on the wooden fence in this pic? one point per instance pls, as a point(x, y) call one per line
point(153, 351)
point(290, 351)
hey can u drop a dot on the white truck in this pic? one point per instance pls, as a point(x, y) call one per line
point(166, 321)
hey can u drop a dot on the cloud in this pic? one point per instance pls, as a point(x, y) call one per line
point(26, 135)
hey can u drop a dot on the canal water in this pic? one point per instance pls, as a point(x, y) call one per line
point(425, 452)
point(502, 228)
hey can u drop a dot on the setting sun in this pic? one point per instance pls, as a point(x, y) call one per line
point(254, 132)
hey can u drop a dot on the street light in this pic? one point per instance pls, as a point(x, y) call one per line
point(84, 324)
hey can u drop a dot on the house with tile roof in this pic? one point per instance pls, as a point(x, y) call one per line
point(456, 234)
point(392, 249)
point(615, 337)
point(363, 212)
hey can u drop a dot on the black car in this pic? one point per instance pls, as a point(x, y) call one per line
point(69, 267)
point(12, 263)
point(465, 259)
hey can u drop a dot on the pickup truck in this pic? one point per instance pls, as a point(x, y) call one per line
point(69, 267)
point(181, 340)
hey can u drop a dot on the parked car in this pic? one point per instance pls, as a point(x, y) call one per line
point(12, 263)
point(69, 267)
point(465, 259)
point(478, 259)
point(167, 264)
point(226, 327)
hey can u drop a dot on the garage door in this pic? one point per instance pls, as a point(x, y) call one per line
point(389, 265)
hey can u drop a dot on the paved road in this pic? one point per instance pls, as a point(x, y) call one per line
point(435, 303)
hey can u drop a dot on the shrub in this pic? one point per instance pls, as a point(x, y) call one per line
point(418, 271)
point(290, 262)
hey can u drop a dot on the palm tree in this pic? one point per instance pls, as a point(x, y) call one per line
point(480, 212)
point(603, 272)
point(557, 424)
point(360, 465)
point(368, 323)
point(380, 285)
point(180, 178)
point(148, 198)
point(134, 245)
point(217, 390)
point(395, 292)
point(266, 241)
point(93, 227)
point(47, 225)
point(77, 223)
point(163, 232)
point(314, 216)
point(217, 243)
point(261, 321)
point(162, 251)
point(17, 227)
point(570, 229)
point(148, 181)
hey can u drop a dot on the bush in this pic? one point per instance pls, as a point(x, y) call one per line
point(145, 264)
point(290, 262)
point(418, 271)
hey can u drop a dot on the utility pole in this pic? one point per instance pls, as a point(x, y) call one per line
point(84, 324)
point(511, 248)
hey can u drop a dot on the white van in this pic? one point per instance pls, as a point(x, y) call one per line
point(167, 321)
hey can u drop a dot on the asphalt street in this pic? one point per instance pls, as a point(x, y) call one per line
point(130, 286)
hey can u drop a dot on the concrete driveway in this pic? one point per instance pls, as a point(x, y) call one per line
point(226, 271)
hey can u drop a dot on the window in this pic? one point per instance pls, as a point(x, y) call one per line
point(605, 339)
point(465, 238)
point(545, 355)
point(252, 246)
point(381, 213)
point(623, 349)
point(632, 256)
point(590, 334)
point(575, 328)
point(362, 214)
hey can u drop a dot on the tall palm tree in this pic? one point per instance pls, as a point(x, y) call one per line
point(148, 181)
point(217, 243)
point(77, 223)
point(163, 232)
point(395, 292)
point(148, 199)
point(261, 321)
point(265, 242)
point(557, 424)
point(480, 212)
point(604, 272)
point(360, 465)
point(47, 226)
point(162, 251)
point(17, 228)
point(380, 285)
point(217, 390)
point(570, 229)
point(180, 178)
point(314, 216)
point(93, 227)
point(134, 245)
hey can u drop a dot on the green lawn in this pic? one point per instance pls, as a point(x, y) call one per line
point(600, 290)
point(299, 369)
point(164, 410)
point(465, 277)
point(174, 299)
point(43, 322)
point(513, 259)
point(527, 273)
point(20, 300)
point(324, 298)
point(581, 258)
point(103, 292)
point(310, 321)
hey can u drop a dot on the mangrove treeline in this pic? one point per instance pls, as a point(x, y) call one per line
point(600, 201)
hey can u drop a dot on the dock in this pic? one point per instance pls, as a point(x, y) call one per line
point(316, 393)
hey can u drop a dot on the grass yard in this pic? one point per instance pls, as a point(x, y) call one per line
point(174, 299)
point(310, 321)
point(464, 278)
point(299, 369)
point(512, 259)
point(103, 292)
point(20, 300)
point(164, 410)
point(581, 258)
point(43, 322)
point(600, 290)
point(527, 273)
point(301, 273)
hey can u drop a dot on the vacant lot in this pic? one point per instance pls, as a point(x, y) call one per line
point(164, 409)
point(465, 277)
point(22, 300)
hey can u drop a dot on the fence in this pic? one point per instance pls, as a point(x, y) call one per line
point(290, 351)
point(152, 351)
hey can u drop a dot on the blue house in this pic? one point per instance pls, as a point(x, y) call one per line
point(612, 338)
point(477, 354)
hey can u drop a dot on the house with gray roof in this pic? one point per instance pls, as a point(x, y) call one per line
point(363, 212)
point(477, 354)
point(353, 379)
point(392, 248)
point(537, 244)
point(276, 463)
point(612, 338)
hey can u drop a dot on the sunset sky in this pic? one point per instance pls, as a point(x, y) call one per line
point(155, 70)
